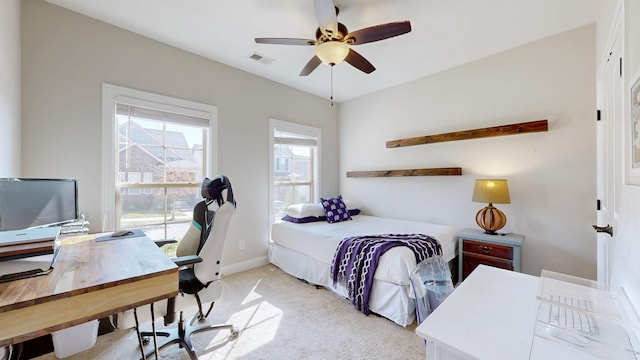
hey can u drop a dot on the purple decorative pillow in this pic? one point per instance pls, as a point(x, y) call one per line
point(335, 209)
point(303, 220)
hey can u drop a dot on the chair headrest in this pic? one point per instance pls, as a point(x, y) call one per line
point(212, 189)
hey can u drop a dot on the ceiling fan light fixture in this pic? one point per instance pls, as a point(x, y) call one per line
point(332, 52)
point(333, 40)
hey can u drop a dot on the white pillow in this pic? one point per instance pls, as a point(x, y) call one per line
point(304, 210)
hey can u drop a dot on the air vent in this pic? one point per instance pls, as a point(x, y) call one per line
point(261, 58)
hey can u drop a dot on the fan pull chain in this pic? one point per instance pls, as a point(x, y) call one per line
point(331, 85)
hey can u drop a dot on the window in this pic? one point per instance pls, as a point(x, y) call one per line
point(157, 150)
point(295, 169)
point(147, 176)
point(131, 177)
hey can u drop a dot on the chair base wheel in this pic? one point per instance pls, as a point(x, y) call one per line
point(182, 336)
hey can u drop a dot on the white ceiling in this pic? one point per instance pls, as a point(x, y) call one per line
point(445, 33)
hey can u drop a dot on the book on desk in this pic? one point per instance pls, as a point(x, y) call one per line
point(27, 252)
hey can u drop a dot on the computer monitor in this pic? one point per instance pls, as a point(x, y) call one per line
point(26, 203)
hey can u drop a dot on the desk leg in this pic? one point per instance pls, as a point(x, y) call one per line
point(135, 316)
point(433, 352)
point(153, 328)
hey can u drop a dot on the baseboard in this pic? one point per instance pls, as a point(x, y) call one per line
point(245, 265)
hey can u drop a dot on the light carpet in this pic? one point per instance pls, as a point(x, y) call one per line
point(279, 317)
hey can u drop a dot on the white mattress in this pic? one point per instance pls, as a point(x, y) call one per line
point(319, 240)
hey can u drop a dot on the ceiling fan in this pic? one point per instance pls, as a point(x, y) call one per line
point(333, 41)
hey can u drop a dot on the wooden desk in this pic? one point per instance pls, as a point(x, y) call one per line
point(90, 280)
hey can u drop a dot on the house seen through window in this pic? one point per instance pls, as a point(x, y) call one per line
point(160, 159)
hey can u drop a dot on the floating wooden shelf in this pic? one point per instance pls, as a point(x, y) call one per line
point(513, 129)
point(408, 172)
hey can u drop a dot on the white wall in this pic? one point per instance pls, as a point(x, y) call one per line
point(551, 174)
point(9, 88)
point(67, 57)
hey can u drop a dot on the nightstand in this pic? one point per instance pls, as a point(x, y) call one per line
point(475, 247)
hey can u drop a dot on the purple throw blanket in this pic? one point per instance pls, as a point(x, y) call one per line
point(356, 260)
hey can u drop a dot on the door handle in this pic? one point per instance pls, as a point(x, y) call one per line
point(605, 229)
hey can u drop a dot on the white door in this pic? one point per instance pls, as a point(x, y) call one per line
point(608, 128)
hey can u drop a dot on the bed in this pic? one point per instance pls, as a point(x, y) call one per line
point(306, 250)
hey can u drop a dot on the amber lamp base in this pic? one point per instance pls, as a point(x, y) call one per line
point(491, 219)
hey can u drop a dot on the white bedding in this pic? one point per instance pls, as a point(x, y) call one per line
point(306, 252)
point(319, 241)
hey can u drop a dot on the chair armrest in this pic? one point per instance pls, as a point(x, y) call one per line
point(187, 260)
point(163, 242)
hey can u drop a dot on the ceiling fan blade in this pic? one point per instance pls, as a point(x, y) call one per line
point(378, 32)
point(327, 17)
point(311, 65)
point(359, 62)
point(285, 41)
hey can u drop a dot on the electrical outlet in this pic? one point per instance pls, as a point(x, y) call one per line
point(241, 245)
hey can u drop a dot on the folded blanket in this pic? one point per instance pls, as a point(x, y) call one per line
point(356, 259)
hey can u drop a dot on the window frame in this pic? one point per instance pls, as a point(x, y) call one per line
point(112, 94)
point(317, 161)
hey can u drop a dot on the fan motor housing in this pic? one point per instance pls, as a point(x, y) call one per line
point(322, 37)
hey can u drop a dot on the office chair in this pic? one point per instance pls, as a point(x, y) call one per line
point(199, 256)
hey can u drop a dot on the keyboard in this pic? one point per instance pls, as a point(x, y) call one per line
point(565, 317)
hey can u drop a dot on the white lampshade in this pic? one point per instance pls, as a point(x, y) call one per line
point(332, 52)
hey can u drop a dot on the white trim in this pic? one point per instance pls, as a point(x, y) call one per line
point(617, 25)
point(113, 93)
point(245, 265)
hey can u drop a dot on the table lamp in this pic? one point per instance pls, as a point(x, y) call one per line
point(492, 191)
